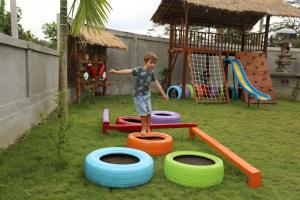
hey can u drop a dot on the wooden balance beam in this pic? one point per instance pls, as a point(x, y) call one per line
point(254, 175)
point(137, 127)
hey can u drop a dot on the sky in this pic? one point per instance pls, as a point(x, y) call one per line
point(130, 15)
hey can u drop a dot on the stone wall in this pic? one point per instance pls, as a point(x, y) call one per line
point(284, 83)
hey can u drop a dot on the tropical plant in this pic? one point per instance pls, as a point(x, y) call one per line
point(92, 13)
point(50, 30)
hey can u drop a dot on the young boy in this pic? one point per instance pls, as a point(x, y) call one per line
point(143, 76)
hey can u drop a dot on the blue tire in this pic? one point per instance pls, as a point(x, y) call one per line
point(118, 175)
point(174, 87)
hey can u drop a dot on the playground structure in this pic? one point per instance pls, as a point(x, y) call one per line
point(254, 175)
point(245, 83)
point(87, 60)
point(203, 52)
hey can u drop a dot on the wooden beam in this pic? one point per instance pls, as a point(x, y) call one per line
point(243, 38)
point(254, 175)
point(185, 45)
point(267, 35)
point(171, 40)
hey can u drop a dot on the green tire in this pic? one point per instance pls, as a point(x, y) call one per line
point(201, 176)
point(191, 90)
point(221, 92)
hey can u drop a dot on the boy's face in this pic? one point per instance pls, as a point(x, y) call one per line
point(150, 64)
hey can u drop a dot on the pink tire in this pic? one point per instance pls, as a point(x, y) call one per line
point(128, 120)
point(165, 117)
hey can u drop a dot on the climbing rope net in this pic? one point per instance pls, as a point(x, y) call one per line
point(208, 79)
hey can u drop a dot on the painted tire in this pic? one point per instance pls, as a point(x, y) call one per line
point(221, 92)
point(128, 120)
point(191, 90)
point(152, 147)
point(118, 175)
point(202, 90)
point(202, 176)
point(164, 117)
point(174, 87)
point(214, 91)
point(187, 91)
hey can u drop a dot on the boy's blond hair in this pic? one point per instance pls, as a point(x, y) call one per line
point(150, 56)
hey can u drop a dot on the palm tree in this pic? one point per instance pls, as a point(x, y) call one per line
point(90, 12)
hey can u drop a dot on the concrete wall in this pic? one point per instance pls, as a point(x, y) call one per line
point(28, 84)
point(138, 45)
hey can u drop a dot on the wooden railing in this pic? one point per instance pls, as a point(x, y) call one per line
point(217, 41)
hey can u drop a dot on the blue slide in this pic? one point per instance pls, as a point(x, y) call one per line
point(241, 76)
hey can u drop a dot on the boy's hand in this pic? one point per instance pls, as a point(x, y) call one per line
point(165, 97)
point(112, 71)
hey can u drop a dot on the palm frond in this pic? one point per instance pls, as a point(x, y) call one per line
point(93, 13)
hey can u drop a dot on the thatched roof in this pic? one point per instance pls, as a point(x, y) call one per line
point(101, 37)
point(223, 13)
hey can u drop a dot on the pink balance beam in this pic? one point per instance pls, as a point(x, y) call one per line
point(254, 175)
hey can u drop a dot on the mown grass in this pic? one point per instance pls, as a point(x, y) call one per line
point(267, 137)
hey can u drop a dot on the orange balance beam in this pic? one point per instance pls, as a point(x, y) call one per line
point(254, 175)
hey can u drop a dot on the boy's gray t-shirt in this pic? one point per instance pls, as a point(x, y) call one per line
point(142, 79)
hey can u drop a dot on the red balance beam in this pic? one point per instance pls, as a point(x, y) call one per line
point(133, 127)
point(254, 175)
point(137, 127)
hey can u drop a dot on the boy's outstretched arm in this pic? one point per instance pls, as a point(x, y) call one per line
point(161, 90)
point(123, 71)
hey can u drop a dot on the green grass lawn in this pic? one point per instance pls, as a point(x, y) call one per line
point(267, 137)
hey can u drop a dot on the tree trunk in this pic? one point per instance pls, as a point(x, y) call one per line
point(63, 83)
point(296, 92)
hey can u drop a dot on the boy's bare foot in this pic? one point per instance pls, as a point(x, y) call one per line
point(143, 132)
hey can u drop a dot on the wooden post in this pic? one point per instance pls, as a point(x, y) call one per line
point(78, 84)
point(266, 35)
point(185, 50)
point(171, 40)
point(104, 80)
point(243, 38)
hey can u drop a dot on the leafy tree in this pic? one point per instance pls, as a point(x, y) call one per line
point(295, 3)
point(293, 23)
point(50, 30)
point(23, 34)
